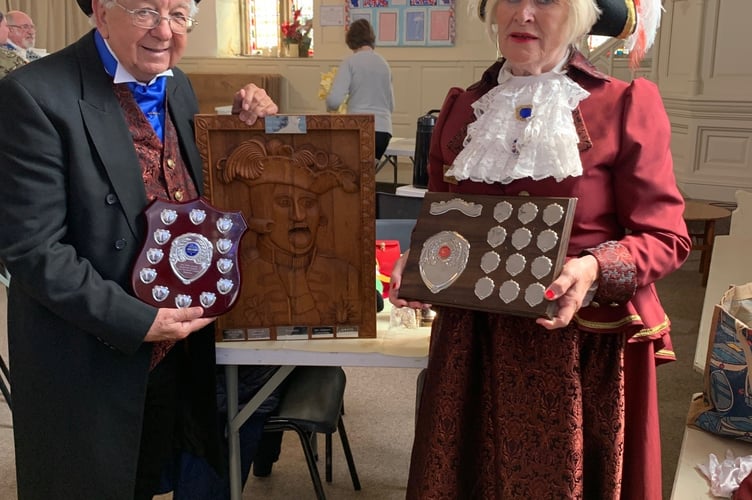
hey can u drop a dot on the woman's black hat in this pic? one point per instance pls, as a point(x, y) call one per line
point(618, 18)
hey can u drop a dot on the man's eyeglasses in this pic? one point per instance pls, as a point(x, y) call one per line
point(150, 19)
point(23, 27)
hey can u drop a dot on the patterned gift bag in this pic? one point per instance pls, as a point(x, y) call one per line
point(726, 404)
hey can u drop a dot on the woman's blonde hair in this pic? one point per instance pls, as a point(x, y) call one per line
point(582, 16)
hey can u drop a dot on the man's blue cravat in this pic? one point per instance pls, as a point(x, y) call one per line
point(150, 98)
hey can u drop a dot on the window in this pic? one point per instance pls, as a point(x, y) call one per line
point(264, 18)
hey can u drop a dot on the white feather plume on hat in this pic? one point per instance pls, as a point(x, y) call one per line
point(648, 21)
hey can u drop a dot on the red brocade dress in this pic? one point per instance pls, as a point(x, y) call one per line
point(510, 410)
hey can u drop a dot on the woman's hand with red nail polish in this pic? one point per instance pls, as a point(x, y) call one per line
point(569, 290)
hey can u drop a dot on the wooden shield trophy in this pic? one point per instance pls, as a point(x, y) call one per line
point(488, 253)
point(189, 257)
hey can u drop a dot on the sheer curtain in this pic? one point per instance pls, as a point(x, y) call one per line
point(58, 22)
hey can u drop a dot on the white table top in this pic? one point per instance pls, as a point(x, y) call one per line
point(400, 146)
point(697, 445)
point(412, 191)
point(392, 348)
point(730, 265)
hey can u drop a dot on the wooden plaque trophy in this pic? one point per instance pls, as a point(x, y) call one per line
point(488, 253)
point(305, 185)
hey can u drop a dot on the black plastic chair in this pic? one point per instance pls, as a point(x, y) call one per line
point(5, 382)
point(4, 372)
point(394, 206)
point(311, 404)
point(395, 229)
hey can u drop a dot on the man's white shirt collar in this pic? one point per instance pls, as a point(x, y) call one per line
point(122, 75)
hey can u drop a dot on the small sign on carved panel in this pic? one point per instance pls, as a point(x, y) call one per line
point(307, 261)
point(488, 253)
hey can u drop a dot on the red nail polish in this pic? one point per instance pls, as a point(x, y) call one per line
point(549, 294)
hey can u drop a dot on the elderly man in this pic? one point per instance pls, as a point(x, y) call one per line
point(107, 390)
point(22, 35)
point(9, 60)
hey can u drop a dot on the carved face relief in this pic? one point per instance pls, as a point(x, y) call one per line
point(296, 214)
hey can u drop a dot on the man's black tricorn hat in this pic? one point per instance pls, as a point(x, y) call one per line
point(618, 18)
point(86, 5)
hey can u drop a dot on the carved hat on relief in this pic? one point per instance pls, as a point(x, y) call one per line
point(258, 161)
point(86, 6)
point(636, 21)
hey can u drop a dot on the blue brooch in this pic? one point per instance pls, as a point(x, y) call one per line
point(524, 112)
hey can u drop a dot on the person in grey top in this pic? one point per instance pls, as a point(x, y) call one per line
point(364, 78)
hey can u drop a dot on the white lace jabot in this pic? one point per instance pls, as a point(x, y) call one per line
point(523, 128)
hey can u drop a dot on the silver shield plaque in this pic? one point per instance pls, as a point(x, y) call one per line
point(195, 261)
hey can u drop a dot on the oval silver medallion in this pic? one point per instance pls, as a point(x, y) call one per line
point(197, 216)
point(160, 293)
point(147, 275)
point(182, 300)
point(162, 236)
point(190, 256)
point(207, 299)
point(168, 216)
point(502, 211)
point(224, 224)
point(224, 245)
point(224, 286)
point(527, 212)
point(224, 265)
point(154, 255)
point(484, 287)
point(496, 236)
point(443, 259)
point(534, 294)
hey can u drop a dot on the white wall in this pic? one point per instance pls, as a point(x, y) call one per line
point(705, 79)
point(421, 76)
point(700, 63)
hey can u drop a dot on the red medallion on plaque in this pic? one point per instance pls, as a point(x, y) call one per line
point(190, 256)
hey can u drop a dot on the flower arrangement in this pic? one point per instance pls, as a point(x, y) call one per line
point(297, 30)
point(325, 85)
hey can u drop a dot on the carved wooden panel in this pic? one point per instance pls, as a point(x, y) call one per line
point(488, 253)
point(307, 261)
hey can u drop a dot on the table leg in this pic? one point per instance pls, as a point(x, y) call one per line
point(707, 253)
point(237, 418)
point(388, 160)
point(395, 165)
point(233, 437)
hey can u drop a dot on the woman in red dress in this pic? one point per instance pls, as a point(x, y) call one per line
point(521, 408)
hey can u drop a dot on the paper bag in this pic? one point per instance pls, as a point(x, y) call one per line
point(726, 406)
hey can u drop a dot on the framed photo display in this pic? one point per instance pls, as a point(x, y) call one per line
point(305, 186)
point(407, 23)
point(488, 253)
